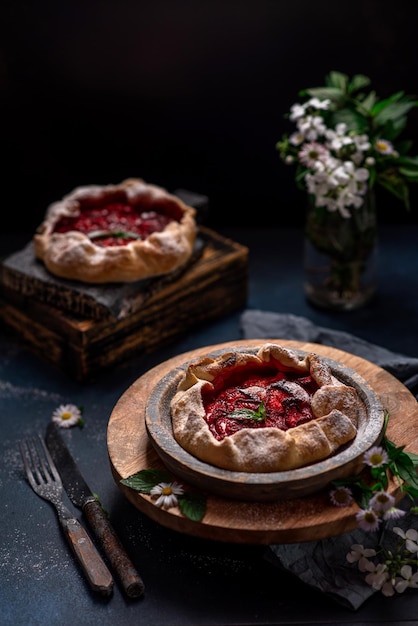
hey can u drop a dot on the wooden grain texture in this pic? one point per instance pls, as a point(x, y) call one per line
point(215, 285)
point(284, 521)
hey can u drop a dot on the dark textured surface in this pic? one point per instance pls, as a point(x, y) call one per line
point(188, 581)
point(183, 94)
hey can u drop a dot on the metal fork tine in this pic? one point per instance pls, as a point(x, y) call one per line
point(25, 460)
point(35, 467)
point(41, 470)
point(27, 456)
point(38, 463)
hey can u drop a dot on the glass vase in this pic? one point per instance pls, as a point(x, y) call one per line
point(340, 256)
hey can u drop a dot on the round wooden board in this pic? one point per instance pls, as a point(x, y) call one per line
point(284, 521)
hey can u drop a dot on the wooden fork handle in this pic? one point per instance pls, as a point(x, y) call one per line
point(91, 562)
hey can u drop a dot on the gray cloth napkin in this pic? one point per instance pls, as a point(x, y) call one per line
point(322, 564)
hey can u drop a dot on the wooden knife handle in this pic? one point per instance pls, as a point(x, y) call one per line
point(125, 570)
point(90, 560)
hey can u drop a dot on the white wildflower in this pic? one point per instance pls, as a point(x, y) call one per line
point(379, 579)
point(408, 579)
point(393, 513)
point(341, 496)
point(376, 456)
point(311, 126)
point(382, 501)
point(297, 111)
point(383, 146)
point(311, 153)
point(296, 139)
point(316, 103)
point(67, 415)
point(359, 554)
point(166, 494)
point(368, 520)
point(410, 537)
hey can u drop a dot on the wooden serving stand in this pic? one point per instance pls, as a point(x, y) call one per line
point(84, 329)
point(282, 521)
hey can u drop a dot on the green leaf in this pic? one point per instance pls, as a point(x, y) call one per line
point(393, 111)
point(397, 187)
point(369, 102)
point(411, 491)
point(118, 234)
point(411, 175)
point(192, 505)
point(358, 82)
point(145, 480)
point(406, 160)
point(381, 104)
point(248, 414)
point(392, 450)
point(324, 93)
point(355, 121)
point(414, 458)
point(338, 80)
point(404, 468)
point(391, 129)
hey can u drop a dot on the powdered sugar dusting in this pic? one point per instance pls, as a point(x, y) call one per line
point(8, 390)
point(20, 556)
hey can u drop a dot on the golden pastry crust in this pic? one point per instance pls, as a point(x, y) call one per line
point(336, 409)
point(75, 256)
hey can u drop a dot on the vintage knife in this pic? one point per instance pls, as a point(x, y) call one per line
point(82, 497)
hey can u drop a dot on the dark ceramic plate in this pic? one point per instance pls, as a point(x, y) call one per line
point(262, 486)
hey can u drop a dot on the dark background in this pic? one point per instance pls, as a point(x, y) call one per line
point(185, 94)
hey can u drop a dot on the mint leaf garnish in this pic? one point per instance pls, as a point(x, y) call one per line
point(192, 505)
point(248, 414)
point(120, 234)
point(145, 480)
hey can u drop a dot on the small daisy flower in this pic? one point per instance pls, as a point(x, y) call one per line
point(368, 520)
point(311, 153)
point(341, 496)
point(393, 513)
point(166, 494)
point(383, 146)
point(359, 554)
point(376, 457)
point(381, 501)
point(67, 415)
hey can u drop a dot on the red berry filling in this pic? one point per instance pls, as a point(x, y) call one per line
point(116, 224)
point(258, 399)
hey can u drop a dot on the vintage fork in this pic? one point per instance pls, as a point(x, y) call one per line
point(44, 479)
